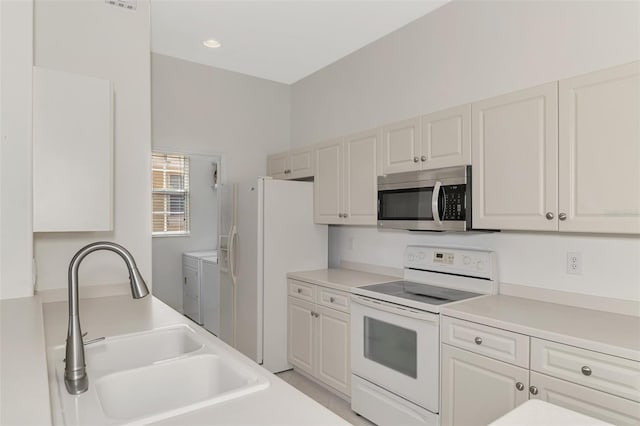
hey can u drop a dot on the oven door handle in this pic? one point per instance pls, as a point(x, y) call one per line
point(434, 203)
point(396, 309)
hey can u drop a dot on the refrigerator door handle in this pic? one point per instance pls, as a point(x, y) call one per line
point(233, 235)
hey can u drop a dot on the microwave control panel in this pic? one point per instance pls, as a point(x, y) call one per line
point(454, 202)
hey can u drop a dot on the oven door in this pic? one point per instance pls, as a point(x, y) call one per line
point(397, 349)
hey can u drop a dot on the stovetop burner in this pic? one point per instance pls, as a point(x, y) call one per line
point(418, 292)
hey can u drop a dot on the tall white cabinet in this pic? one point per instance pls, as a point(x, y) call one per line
point(599, 151)
point(345, 184)
point(515, 160)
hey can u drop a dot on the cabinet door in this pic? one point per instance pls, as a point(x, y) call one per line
point(401, 146)
point(72, 152)
point(476, 390)
point(278, 165)
point(360, 178)
point(601, 405)
point(301, 163)
point(327, 185)
point(334, 360)
point(600, 151)
point(514, 157)
point(446, 138)
point(300, 334)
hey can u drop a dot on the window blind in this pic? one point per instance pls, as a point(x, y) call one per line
point(170, 193)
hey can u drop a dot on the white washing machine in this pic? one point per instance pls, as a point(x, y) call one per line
point(193, 273)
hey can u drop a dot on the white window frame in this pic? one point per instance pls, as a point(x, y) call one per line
point(182, 192)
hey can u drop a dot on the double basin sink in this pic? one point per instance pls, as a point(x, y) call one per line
point(145, 377)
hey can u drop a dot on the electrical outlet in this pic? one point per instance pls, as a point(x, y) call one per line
point(574, 263)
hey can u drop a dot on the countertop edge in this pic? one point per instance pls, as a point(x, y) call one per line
point(530, 330)
point(24, 363)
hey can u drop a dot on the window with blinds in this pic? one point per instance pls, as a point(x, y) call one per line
point(170, 194)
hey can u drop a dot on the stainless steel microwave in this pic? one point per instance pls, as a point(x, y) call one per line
point(428, 200)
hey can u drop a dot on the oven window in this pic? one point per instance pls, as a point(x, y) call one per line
point(405, 204)
point(392, 346)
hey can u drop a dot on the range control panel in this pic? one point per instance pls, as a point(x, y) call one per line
point(460, 261)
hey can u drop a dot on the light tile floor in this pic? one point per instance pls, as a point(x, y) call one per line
point(324, 397)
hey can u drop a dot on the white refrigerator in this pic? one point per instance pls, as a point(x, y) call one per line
point(269, 232)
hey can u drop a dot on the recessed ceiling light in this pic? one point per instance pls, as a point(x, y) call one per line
point(213, 44)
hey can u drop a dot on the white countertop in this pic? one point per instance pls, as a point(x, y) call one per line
point(25, 391)
point(341, 279)
point(536, 412)
point(599, 331)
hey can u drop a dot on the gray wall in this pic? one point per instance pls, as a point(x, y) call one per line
point(462, 52)
point(201, 109)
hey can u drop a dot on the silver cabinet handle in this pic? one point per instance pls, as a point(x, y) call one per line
point(533, 390)
point(423, 158)
point(586, 370)
point(562, 216)
point(416, 159)
point(333, 299)
point(299, 290)
point(549, 216)
point(478, 340)
point(520, 386)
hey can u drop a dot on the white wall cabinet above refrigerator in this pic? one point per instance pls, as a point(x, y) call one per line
point(296, 164)
point(439, 139)
point(72, 152)
point(345, 183)
point(560, 157)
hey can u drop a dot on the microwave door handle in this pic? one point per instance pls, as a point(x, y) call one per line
point(434, 203)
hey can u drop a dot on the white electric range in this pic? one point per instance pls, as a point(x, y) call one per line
point(395, 332)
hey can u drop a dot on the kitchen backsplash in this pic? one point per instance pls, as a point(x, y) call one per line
point(610, 266)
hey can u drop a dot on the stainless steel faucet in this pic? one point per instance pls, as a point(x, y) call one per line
point(75, 374)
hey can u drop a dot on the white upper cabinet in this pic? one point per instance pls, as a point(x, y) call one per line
point(446, 138)
point(599, 151)
point(294, 164)
point(515, 160)
point(401, 146)
point(345, 183)
point(72, 152)
point(360, 178)
point(278, 165)
point(440, 139)
point(327, 183)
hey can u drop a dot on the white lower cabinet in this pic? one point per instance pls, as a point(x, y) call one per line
point(601, 405)
point(476, 388)
point(318, 334)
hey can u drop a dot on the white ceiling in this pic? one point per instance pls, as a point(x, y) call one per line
point(282, 41)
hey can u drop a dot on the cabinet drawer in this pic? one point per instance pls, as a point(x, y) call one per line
point(618, 376)
point(492, 342)
point(333, 299)
point(302, 290)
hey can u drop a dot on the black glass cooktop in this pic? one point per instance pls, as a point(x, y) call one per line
point(425, 293)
